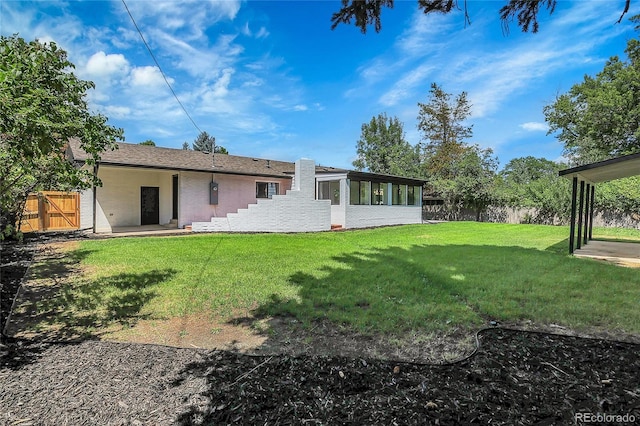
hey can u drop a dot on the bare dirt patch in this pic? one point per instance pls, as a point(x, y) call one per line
point(194, 331)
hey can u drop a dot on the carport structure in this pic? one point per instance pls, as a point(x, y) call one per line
point(584, 180)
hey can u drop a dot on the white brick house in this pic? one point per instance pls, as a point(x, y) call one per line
point(211, 193)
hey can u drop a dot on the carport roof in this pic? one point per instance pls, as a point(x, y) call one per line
point(602, 171)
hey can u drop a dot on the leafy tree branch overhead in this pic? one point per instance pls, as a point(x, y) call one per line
point(368, 12)
point(43, 105)
point(599, 118)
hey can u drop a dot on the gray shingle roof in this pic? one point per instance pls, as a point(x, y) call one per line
point(152, 157)
point(134, 155)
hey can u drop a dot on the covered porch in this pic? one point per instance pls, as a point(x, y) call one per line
point(620, 253)
point(584, 180)
point(147, 230)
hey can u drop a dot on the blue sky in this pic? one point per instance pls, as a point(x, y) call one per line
point(270, 79)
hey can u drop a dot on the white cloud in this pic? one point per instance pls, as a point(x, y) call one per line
point(425, 34)
point(221, 87)
point(115, 111)
point(246, 30)
point(406, 85)
point(102, 65)
point(262, 33)
point(253, 82)
point(148, 77)
point(439, 48)
point(198, 61)
point(300, 108)
point(533, 126)
point(188, 17)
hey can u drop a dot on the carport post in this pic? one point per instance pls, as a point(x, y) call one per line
point(580, 209)
point(593, 194)
point(587, 206)
point(573, 214)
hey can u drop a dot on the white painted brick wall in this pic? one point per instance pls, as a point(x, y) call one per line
point(217, 224)
point(297, 211)
point(86, 209)
point(305, 177)
point(235, 192)
point(119, 197)
point(365, 216)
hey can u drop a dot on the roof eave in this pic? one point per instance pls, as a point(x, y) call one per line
point(184, 169)
point(603, 171)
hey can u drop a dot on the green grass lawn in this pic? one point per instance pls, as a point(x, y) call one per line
point(388, 280)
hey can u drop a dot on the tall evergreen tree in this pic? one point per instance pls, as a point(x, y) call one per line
point(441, 121)
point(204, 142)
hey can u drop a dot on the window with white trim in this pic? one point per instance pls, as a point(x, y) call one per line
point(267, 189)
point(329, 190)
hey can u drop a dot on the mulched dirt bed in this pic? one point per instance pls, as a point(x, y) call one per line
point(14, 262)
point(514, 378)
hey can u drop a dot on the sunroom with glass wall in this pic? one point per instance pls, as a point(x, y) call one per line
point(360, 199)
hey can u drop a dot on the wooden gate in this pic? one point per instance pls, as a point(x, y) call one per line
point(51, 211)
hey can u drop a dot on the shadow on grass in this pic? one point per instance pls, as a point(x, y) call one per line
point(561, 247)
point(434, 288)
point(429, 287)
point(58, 304)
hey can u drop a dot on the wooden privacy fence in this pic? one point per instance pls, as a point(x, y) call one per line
point(51, 211)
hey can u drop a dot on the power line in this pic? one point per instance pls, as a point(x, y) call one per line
point(159, 67)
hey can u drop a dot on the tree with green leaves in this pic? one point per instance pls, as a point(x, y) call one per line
point(42, 106)
point(186, 146)
point(442, 123)
point(382, 148)
point(620, 195)
point(464, 175)
point(521, 172)
point(534, 182)
point(599, 118)
point(148, 142)
point(471, 183)
point(368, 12)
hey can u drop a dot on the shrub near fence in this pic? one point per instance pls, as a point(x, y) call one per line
point(601, 218)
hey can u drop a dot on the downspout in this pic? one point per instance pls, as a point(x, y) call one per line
point(95, 195)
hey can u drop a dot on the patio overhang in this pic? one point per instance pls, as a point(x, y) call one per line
point(584, 179)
